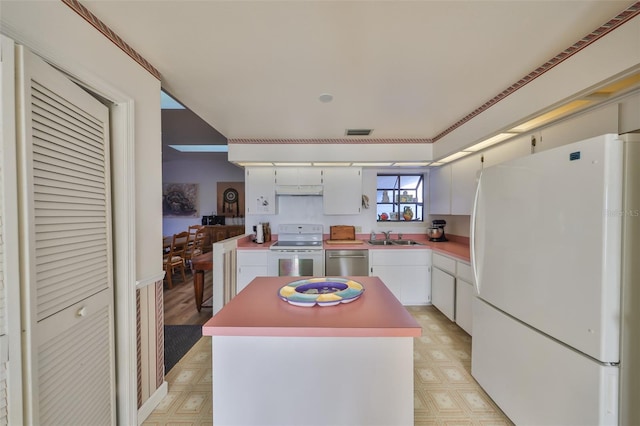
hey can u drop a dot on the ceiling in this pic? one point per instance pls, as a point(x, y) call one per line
point(406, 69)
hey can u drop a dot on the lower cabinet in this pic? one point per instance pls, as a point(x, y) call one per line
point(443, 292)
point(452, 290)
point(464, 303)
point(250, 264)
point(405, 272)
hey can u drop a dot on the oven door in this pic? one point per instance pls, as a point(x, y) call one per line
point(296, 263)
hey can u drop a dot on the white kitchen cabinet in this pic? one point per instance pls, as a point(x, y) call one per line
point(250, 264)
point(405, 272)
point(464, 175)
point(342, 193)
point(443, 292)
point(452, 289)
point(260, 190)
point(440, 190)
point(464, 305)
point(514, 148)
point(452, 187)
point(298, 176)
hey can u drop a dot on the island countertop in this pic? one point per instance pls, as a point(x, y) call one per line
point(259, 311)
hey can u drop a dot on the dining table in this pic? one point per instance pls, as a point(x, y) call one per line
point(200, 264)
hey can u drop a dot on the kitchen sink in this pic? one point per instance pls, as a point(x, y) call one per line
point(394, 243)
point(406, 243)
point(380, 242)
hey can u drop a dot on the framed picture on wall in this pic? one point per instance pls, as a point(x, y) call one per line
point(231, 199)
point(180, 200)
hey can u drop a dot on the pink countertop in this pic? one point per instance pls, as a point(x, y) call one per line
point(258, 311)
point(457, 247)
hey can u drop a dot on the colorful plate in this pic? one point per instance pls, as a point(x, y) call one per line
point(327, 291)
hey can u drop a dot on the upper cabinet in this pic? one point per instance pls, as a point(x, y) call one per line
point(440, 190)
point(297, 176)
point(342, 193)
point(260, 190)
point(452, 187)
point(464, 180)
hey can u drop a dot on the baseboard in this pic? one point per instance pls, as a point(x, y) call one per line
point(151, 403)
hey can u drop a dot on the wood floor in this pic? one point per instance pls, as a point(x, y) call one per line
point(180, 305)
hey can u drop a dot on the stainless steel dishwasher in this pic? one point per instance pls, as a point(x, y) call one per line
point(340, 263)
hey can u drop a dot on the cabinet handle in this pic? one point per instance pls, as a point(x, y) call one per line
point(81, 312)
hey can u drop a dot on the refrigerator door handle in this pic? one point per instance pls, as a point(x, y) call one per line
point(472, 241)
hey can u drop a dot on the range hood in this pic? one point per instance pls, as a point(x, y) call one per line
point(298, 189)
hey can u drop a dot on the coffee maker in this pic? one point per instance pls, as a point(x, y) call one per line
point(436, 232)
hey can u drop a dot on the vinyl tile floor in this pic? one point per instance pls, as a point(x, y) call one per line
point(444, 391)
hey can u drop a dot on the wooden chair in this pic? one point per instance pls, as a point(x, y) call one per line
point(196, 247)
point(175, 259)
point(193, 230)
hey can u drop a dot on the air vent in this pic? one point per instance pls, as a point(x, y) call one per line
point(359, 132)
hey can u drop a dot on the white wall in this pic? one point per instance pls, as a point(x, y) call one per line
point(309, 209)
point(614, 54)
point(55, 32)
point(61, 37)
point(205, 172)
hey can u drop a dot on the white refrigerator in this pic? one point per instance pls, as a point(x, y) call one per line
point(555, 250)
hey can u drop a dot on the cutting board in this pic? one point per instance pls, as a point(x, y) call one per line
point(342, 232)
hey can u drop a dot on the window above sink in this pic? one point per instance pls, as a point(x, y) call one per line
point(399, 198)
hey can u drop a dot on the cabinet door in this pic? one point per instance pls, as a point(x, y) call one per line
point(515, 148)
point(310, 176)
point(260, 190)
point(440, 190)
point(464, 174)
point(342, 192)
point(251, 264)
point(405, 272)
point(416, 288)
point(464, 303)
point(298, 176)
point(391, 277)
point(443, 292)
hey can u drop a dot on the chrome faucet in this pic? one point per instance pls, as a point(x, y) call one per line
point(387, 234)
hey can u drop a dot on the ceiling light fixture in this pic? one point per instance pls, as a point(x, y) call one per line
point(454, 156)
point(331, 164)
point(412, 164)
point(291, 164)
point(552, 115)
point(257, 164)
point(362, 164)
point(200, 148)
point(325, 98)
point(491, 141)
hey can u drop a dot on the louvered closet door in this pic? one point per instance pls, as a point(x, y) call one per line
point(66, 245)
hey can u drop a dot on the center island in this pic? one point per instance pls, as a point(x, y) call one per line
point(279, 364)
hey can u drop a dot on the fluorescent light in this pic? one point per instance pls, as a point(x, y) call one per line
point(491, 141)
point(412, 164)
point(252, 164)
point(200, 148)
point(454, 156)
point(371, 164)
point(291, 164)
point(551, 115)
point(437, 163)
point(332, 164)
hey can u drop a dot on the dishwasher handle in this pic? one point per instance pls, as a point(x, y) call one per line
point(347, 256)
